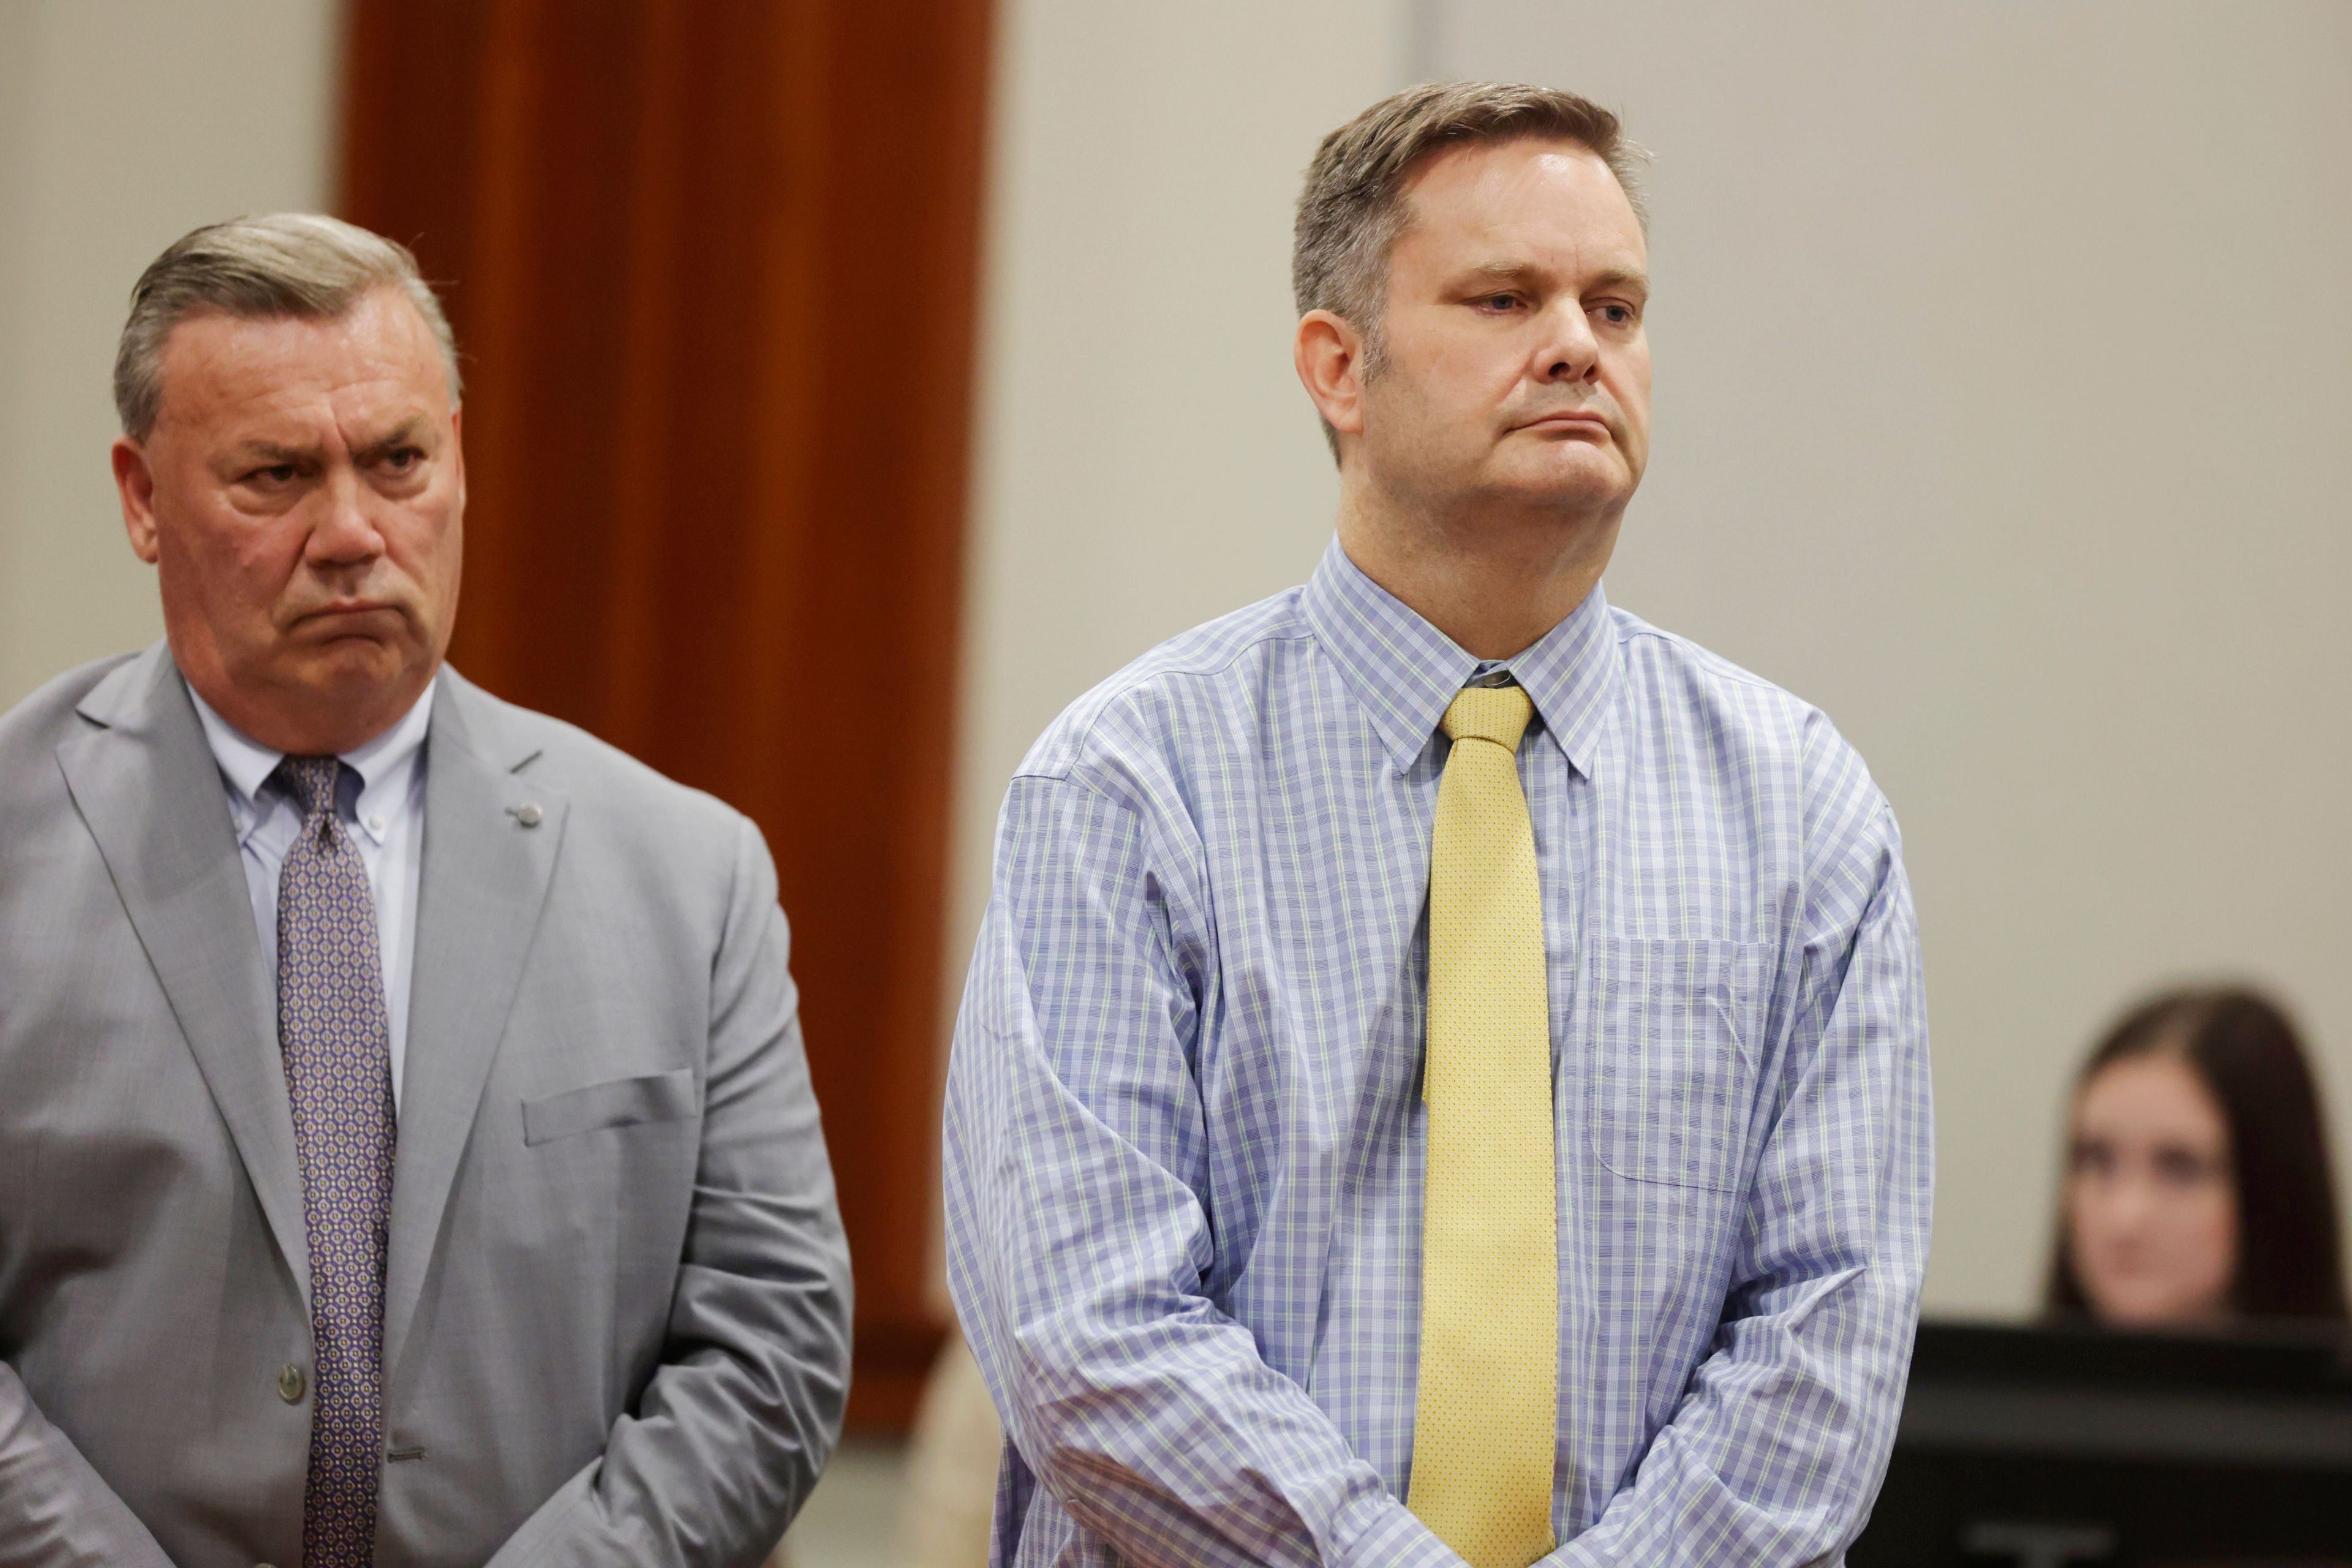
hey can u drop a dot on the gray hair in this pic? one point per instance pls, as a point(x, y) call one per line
point(303, 265)
point(1352, 209)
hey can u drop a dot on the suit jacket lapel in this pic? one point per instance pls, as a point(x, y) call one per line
point(147, 786)
point(488, 857)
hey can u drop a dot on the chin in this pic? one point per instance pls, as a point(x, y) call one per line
point(351, 670)
point(1577, 477)
point(1578, 494)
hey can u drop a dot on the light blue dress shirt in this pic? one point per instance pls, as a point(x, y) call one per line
point(382, 804)
point(1184, 1127)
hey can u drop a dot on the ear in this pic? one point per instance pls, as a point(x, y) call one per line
point(1329, 353)
point(134, 481)
point(457, 452)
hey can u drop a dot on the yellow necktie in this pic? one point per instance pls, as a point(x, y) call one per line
point(1485, 1420)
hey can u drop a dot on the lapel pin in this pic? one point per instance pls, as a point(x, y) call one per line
point(528, 814)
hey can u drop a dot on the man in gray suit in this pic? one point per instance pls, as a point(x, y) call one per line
point(406, 1148)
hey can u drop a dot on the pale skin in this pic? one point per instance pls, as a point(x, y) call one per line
point(1486, 463)
point(2151, 1206)
point(302, 495)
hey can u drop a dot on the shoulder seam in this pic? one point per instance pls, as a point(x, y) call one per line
point(1715, 662)
point(1073, 782)
point(1201, 672)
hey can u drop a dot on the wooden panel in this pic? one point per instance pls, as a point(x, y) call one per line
point(712, 265)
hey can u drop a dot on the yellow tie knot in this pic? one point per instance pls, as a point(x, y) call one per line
point(1496, 713)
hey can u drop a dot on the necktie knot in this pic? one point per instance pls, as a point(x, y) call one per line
point(1496, 713)
point(312, 781)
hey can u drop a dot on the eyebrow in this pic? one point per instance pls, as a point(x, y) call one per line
point(271, 452)
point(1518, 272)
point(402, 433)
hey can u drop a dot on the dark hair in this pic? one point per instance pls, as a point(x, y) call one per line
point(2290, 1252)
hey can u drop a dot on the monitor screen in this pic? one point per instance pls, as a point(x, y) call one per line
point(2080, 1447)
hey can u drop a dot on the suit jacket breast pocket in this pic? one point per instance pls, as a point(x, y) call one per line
point(1677, 1028)
point(623, 1102)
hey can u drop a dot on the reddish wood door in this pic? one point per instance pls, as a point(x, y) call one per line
point(712, 268)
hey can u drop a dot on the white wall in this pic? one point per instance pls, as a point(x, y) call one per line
point(2002, 400)
point(123, 124)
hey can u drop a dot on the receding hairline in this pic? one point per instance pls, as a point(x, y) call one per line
point(270, 265)
point(1421, 168)
point(425, 341)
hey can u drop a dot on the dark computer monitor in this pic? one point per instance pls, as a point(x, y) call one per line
point(2085, 1448)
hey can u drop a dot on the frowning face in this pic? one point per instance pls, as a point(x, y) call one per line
point(301, 495)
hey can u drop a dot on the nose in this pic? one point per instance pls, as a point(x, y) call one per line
point(2134, 1204)
point(344, 533)
point(1567, 351)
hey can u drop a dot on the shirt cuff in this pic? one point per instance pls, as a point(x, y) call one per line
point(1388, 1536)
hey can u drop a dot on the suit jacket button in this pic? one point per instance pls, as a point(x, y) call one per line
point(290, 1388)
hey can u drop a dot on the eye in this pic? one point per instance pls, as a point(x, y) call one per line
point(1618, 314)
point(1498, 302)
point(272, 474)
point(2092, 1158)
point(2177, 1167)
point(400, 459)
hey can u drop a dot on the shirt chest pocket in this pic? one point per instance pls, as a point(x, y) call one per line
point(1676, 1038)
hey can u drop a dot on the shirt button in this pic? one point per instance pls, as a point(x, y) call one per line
point(289, 1385)
point(376, 823)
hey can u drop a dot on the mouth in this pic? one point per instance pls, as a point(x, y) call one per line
point(345, 614)
point(1567, 422)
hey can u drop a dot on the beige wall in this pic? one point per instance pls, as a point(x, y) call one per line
point(1145, 458)
point(2000, 396)
point(123, 123)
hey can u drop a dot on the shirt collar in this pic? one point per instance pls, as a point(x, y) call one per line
point(385, 765)
point(1403, 672)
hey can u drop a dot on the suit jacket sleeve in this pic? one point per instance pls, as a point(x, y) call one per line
point(728, 1436)
point(58, 1512)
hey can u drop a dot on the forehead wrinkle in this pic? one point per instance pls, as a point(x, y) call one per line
point(1530, 239)
point(268, 366)
point(411, 425)
point(277, 451)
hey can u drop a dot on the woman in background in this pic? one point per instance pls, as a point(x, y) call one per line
point(2198, 1189)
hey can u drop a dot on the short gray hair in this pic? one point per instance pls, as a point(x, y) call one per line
point(1352, 209)
point(303, 265)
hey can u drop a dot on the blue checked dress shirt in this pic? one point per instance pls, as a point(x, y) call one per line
point(1183, 1140)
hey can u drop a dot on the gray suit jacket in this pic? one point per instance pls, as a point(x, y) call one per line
point(616, 1300)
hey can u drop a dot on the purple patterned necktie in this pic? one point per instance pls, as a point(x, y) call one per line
point(331, 1026)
